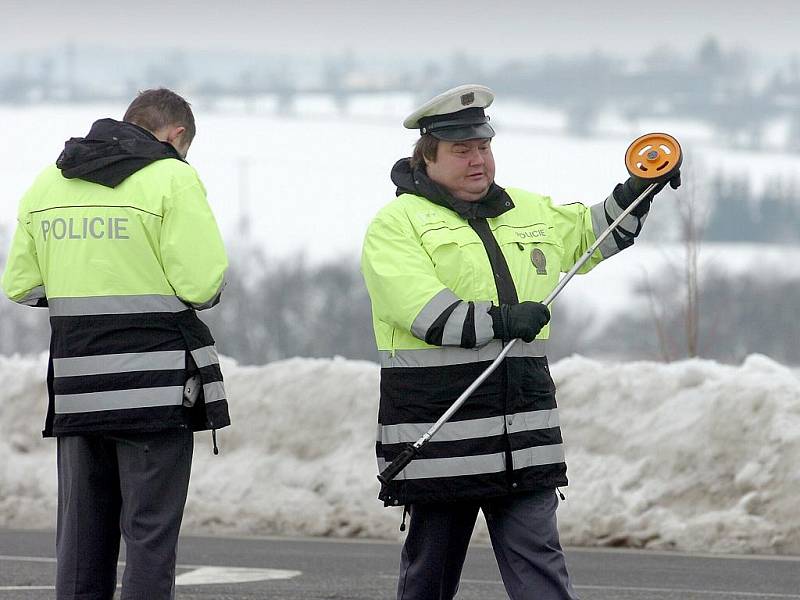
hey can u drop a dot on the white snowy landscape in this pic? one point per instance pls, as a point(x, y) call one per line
point(691, 455)
point(310, 183)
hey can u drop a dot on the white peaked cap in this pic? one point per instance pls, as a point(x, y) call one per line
point(456, 114)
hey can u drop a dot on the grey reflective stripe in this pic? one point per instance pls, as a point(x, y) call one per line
point(32, 298)
point(440, 357)
point(608, 247)
point(214, 391)
point(119, 399)
point(449, 432)
point(432, 311)
point(538, 455)
point(119, 363)
point(629, 223)
point(214, 299)
point(484, 328)
point(532, 420)
point(454, 327)
point(207, 355)
point(425, 468)
point(600, 223)
point(471, 428)
point(114, 305)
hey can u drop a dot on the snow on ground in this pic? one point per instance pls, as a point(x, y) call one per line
point(692, 455)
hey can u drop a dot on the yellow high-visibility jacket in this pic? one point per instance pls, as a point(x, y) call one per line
point(433, 268)
point(122, 270)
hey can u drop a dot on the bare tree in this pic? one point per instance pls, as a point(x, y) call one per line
point(666, 348)
point(691, 234)
point(691, 212)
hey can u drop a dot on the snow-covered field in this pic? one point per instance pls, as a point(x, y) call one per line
point(691, 456)
point(311, 183)
point(611, 288)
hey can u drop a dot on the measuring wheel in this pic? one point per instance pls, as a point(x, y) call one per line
point(654, 157)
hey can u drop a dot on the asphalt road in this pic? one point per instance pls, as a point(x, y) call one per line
point(225, 568)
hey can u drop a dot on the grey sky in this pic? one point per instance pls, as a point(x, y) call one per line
point(416, 27)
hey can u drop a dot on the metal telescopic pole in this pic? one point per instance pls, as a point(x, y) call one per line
point(407, 455)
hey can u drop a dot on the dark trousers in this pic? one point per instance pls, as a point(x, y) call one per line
point(524, 538)
point(132, 485)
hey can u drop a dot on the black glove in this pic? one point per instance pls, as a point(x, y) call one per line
point(524, 320)
point(626, 193)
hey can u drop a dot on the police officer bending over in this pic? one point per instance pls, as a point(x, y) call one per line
point(117, 238)
point(455, 267)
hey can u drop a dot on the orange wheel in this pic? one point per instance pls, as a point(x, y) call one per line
point(653, 156)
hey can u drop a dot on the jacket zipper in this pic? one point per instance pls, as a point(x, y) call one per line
point(506, 294)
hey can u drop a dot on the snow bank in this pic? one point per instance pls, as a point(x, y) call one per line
point(692, 455)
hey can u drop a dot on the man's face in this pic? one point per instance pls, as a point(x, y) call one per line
point(465, 169)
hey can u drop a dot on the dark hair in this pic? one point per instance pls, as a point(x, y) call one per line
point(154, 109)
point(426, 147)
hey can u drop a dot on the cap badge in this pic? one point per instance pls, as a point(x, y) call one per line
point(467, 99)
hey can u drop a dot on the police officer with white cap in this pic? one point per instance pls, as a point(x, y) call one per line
point(456, 267)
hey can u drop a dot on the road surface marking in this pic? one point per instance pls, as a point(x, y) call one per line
point(44, 559)
point(731, 595)
point(197, 575)
point(209, 575)
point(718, 593)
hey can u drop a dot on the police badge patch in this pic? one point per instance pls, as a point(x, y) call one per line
point(539, 261)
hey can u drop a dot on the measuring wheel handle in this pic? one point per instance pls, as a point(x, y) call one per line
point(398, 464)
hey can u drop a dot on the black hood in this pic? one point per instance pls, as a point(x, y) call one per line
point(111, 152)
point(416, 181)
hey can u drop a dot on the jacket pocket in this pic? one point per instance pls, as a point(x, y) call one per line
point(210, 411)
point(535, 265)
point(456, 254)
